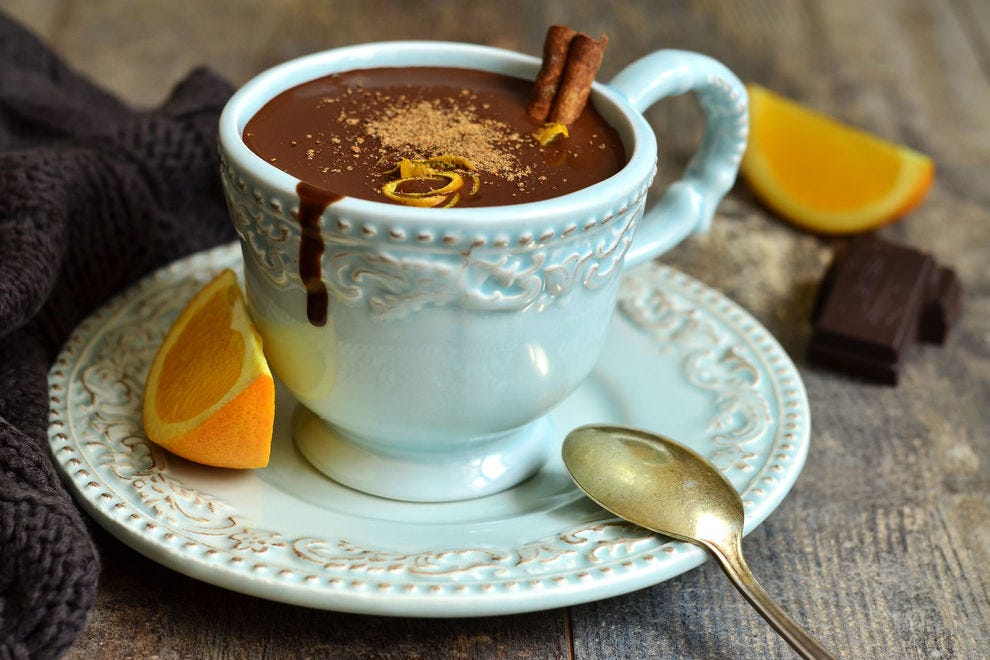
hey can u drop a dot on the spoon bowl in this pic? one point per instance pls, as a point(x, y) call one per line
point(667, 488)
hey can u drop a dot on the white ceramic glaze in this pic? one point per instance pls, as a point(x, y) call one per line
point(679, 359)
point(452, 332)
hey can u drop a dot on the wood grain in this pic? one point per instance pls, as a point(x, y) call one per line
point(883, 546)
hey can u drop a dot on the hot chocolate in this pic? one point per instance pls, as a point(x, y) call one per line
point(429, 136)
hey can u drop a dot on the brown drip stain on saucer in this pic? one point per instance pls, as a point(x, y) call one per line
point(313, 201)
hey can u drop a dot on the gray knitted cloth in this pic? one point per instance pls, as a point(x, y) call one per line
point(93, 194)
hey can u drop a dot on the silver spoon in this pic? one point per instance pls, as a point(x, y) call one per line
point(662, 486)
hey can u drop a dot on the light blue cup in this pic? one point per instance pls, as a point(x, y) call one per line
point(453, 332)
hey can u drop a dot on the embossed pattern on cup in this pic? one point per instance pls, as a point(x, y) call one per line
point(425, 324)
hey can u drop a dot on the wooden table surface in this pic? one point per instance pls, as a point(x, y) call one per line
point(883, 546)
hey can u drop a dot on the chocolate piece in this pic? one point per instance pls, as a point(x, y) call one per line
point(942, 307)
point(873, 299)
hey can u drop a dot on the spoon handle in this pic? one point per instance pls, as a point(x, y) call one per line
point(730, 558)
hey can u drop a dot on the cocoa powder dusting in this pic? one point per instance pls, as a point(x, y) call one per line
point(432, 128)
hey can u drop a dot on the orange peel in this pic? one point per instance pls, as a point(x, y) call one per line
point(450, 168)
point(550, 132)
point(431, 197)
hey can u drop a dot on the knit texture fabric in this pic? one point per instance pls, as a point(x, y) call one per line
point(93, 194)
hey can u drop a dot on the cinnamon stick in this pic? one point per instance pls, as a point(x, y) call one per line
point(583, 60)
point(555, 51)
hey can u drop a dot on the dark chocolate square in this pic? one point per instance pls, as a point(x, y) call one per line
point(943, 305)
point(869, 308)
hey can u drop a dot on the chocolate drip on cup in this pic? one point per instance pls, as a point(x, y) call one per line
point(313, 201)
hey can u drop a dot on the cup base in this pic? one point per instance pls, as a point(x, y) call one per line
point(482, 468)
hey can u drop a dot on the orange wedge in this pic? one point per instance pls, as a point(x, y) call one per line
point(210, 396)
point(825, 176)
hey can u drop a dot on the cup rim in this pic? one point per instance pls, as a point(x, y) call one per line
point(634, 176)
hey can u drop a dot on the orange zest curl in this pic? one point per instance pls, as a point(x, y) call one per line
point(431, 197)
point(447, 171)
point(550, 132)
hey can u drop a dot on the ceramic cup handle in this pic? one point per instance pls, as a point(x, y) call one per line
point(689, 204)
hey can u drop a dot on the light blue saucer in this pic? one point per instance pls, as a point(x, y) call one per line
point(681, 360)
